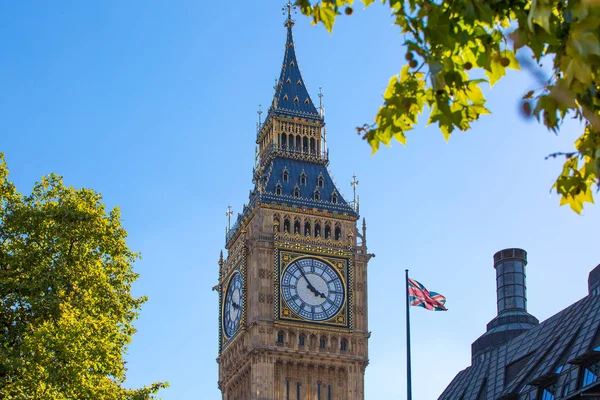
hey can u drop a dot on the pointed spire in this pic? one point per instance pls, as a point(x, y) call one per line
point(289, 8)
point(221, 259)
point(291, 95)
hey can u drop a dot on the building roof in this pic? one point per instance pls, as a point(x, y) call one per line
point(292, 103)
point(550, 355)
point(291, 95)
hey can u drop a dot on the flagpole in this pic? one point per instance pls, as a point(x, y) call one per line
point(408, 369)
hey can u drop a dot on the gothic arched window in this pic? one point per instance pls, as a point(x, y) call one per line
point(317, 229)
point(338, 232)
point(327, 230)
point(296, 226)
point(286, 225)
point(343, 345)
point(307, 228)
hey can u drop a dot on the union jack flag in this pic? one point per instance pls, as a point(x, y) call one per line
point(418, 295)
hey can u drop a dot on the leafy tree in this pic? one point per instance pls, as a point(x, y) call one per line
point(66, 309)
point(452, 44)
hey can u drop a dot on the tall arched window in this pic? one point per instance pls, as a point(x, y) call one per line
point(312, 146)
point(322, 342)
point(338, 232)
point(344, 345)
point(317, 229)
point(283, 141)
point(296, 226)
point(327, 230)
point(286, 225)
point(301, 339)
point(280, 337)
point(305, 144)
point(307, 228)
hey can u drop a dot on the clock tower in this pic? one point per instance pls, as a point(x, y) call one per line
point(293, 287)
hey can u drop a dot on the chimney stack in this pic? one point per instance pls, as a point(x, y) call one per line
point(512, 319)
point(510, 280)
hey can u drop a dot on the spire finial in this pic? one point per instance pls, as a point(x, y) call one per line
point(354, 184)
point(228, 214)
point(259, 112)
point(221, 259)
point(321, 100)
point(288, 9)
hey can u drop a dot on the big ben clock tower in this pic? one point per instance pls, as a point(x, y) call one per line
point(293, 288)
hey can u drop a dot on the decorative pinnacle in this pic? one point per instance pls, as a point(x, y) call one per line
point(228, 214)
point(321, 101)
point(289, 8)
point(259, 112)
point(221, 258)
point(354, 184)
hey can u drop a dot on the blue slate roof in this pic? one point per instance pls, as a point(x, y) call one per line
point(551, 353)
point(292, 100)
point(291, 95)
point(312, 172)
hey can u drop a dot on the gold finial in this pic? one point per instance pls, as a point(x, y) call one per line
point(228, 214)
point(354, 184)
point(221, 259)
point(321, 101)
point(259, 112)
point(288, 9)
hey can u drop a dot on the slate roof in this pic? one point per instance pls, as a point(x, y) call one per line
point(292, 100)
point(312, 171)
point(550, 353)
point(291, 95)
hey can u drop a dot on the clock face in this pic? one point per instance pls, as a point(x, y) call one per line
point(312, 289)
point(232, 308)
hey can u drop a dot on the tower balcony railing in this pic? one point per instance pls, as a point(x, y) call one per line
point(304, 154)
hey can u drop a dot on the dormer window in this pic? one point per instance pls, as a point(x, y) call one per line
point(320, 182)
point(278, 189)
point(285, 176)
point(334, 198)
point(299, 82)
point(296, 191)
point(307, 101)
point(317, 195)
point(296, 99)
point(288, 80)
point(285, 97)
point(303, 178)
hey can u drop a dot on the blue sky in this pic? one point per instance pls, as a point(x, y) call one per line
point(154, 103)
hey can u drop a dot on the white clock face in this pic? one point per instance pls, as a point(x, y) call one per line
point(232, 308)
point(312, 289)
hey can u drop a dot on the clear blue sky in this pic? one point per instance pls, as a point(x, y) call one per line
point(153, 104)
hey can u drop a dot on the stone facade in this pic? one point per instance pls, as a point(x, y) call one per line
point(307, 337)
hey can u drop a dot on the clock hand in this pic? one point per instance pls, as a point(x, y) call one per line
point(310, 287)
